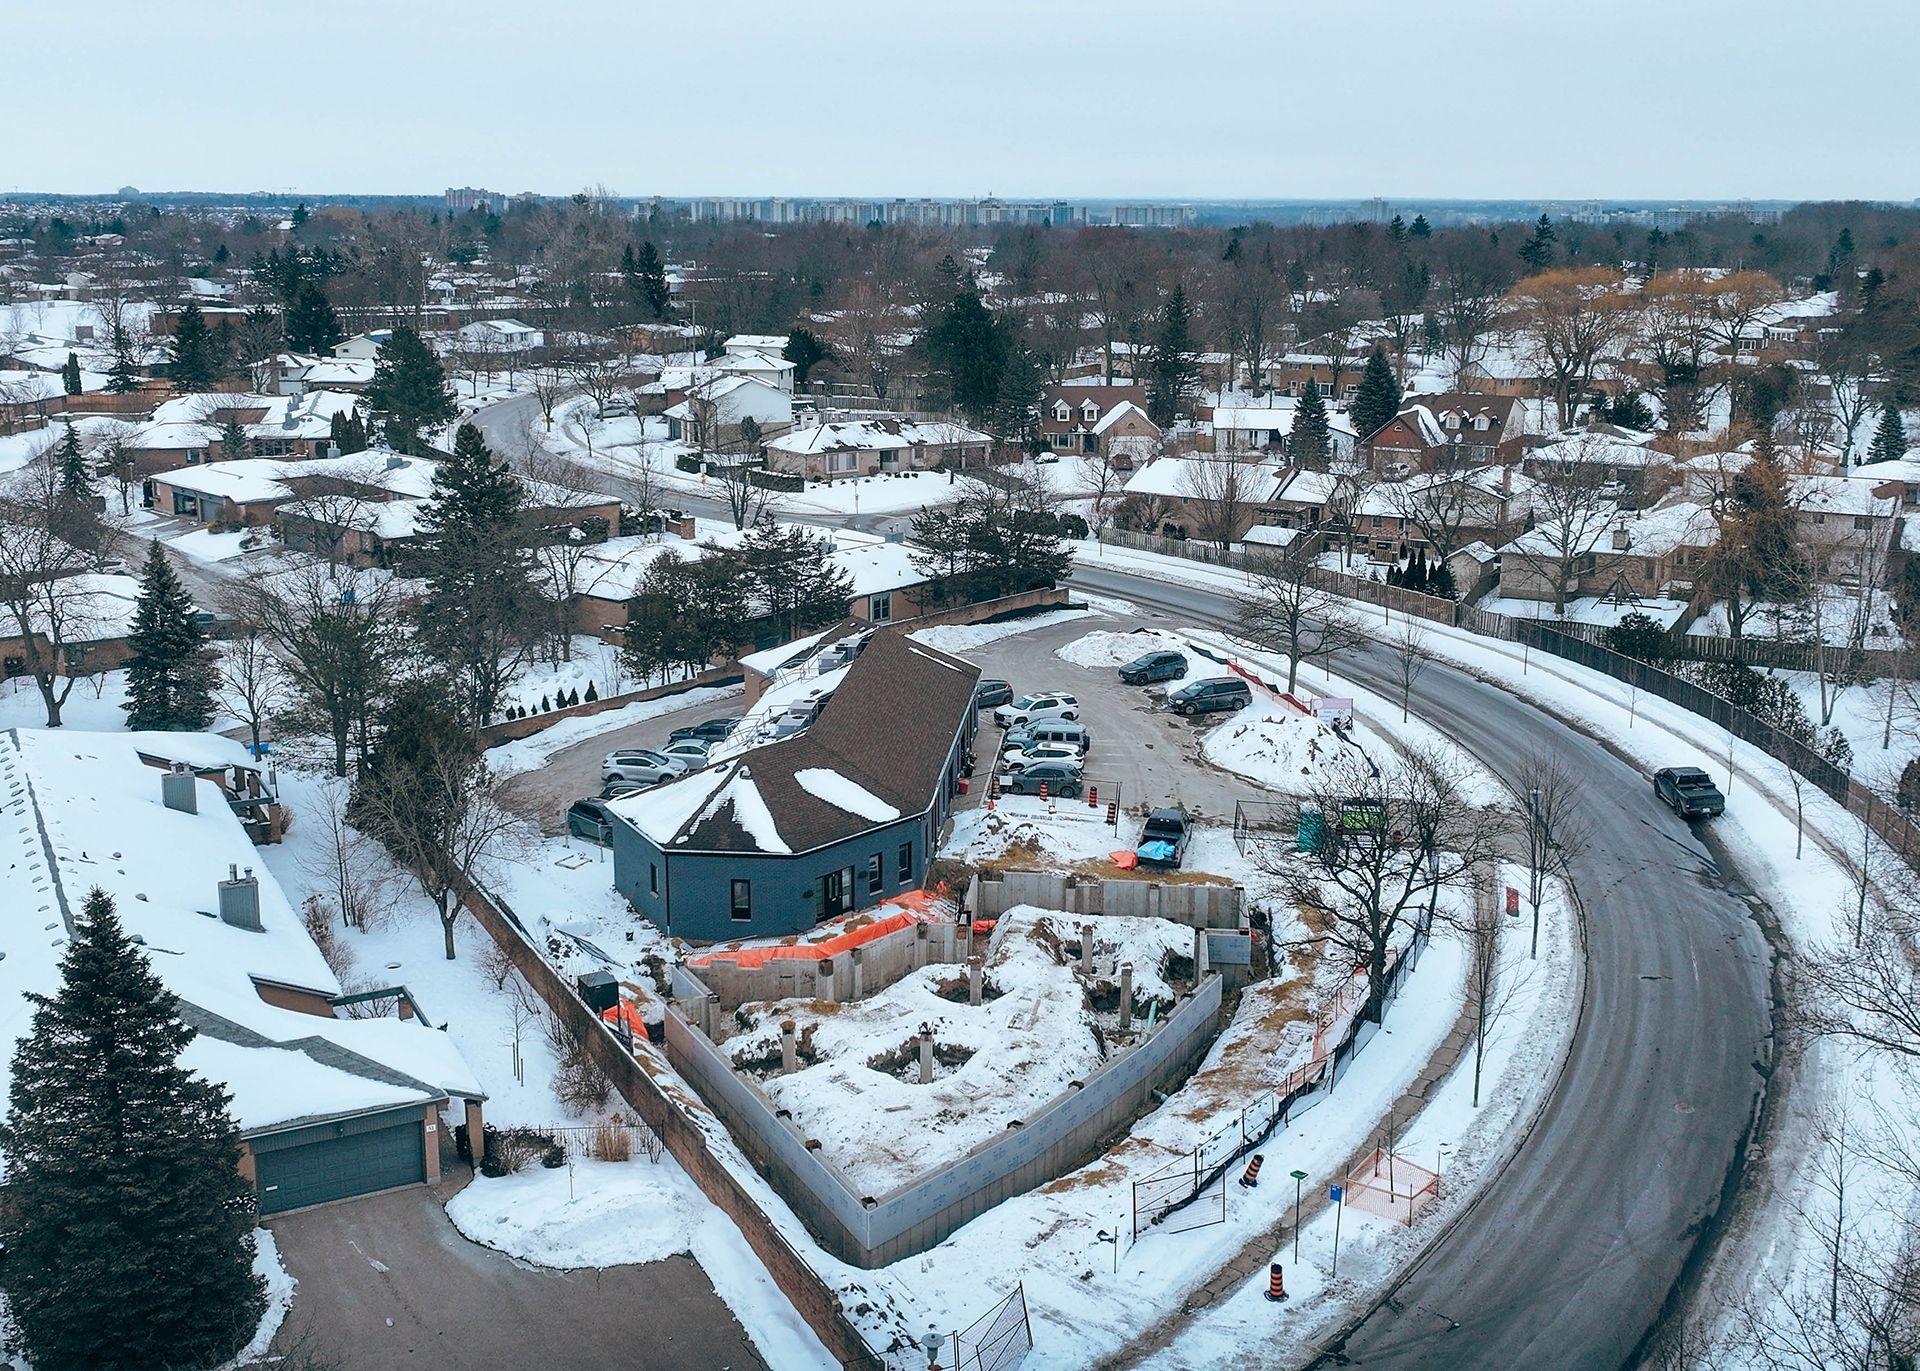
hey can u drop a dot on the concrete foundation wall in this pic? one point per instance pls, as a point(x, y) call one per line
point(870, 1231)
point(1198, 906)
point(849, 975)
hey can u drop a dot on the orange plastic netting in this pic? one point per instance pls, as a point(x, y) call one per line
point(921, 906)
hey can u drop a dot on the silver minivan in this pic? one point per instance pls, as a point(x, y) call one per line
point(1055, 732)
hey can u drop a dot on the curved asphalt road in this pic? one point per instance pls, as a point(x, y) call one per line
point(1567, 1260)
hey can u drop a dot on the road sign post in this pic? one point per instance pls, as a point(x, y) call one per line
point(1333, 1192)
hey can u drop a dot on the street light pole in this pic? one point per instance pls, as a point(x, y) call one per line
point(1298, 1177)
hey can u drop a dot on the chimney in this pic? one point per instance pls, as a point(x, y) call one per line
point(1620, 539)
point(240, 900)
point(177, 790)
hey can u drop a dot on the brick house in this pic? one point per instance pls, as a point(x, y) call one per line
point(1097, 419)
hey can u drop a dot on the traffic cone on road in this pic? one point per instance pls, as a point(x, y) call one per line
point(1276, 1283)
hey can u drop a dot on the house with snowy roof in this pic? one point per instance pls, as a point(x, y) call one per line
point(829, 797)
point(1105, 420)
point(330, 1104)
point(1451, 430)
point(872, 445)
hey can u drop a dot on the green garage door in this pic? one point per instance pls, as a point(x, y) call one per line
point(333, 1161)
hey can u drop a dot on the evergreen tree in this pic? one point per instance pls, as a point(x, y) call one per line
point(1378, 399)
point(312, 326)
point(1311, 443)
point(480, 613)
point(74, 484)
point(1890, 438)
point(410, 387)
point(234, 443)
point(967, 344)
point(1397, 229)
point(1171, 371)
point(221, 255)
point(805, 351)
point(123, 376)
point(1537, 252)
point(1420, 228)
point(651, 274)
point(195, 366)
point(592, 693)
point(127, 1227)
point(171, 674)
point(789, 574)
point(70, 375)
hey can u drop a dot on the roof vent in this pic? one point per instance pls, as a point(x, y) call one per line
point(177, 790)
point(240, 900)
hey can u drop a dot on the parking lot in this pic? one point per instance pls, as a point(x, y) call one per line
point(1153, 755)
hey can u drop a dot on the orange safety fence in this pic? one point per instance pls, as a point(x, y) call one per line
point(917, 907)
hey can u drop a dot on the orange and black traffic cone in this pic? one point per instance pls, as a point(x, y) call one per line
point(1251, 1177)
point(1276, 1283)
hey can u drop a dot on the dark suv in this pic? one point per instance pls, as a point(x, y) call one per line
point(1690, 791)
point(1154, 666)
point(707, 730)
point(1201, 697)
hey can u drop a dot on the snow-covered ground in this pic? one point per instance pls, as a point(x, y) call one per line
point(961, 638)
point(1036, 1030)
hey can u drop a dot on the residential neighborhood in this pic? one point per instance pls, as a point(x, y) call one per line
point(837, 738)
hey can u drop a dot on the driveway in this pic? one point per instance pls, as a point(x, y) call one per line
point(387, 1281)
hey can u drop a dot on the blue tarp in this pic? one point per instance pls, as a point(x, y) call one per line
point(1158, 850)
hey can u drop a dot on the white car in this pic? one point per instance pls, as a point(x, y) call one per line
point(1024, 709)
point(641, 767)
point(692, 751)
point(1020, 758)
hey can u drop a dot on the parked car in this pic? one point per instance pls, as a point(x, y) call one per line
point(1163, 841)
point(990, 693)
point(1020, 758)
point(589, 819)
point(692, 751)
point(707, 730)
point(1690, 791)
point(1154, 666)
point(619, 790)
point(1026, 708)
point(1201, 697)
point(640, 766)
point(1060, 778)
point(1043, 732)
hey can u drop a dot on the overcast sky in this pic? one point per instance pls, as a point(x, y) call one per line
point(1259, 99)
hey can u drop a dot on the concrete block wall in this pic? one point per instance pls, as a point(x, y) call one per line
point(849, 975)
point(1198, 906)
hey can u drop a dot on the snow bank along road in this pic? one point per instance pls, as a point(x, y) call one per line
point(1568, 1258)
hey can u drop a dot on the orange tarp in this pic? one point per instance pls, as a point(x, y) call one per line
point(915, 908)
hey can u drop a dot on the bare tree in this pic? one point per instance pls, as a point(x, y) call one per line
point(602, 373)
point(441, 818)
point(1393, 836)
point(349, 868)
point(336, 631)
point(1573, 504)
point(50, 606)
point(1468, 289)
point(251, 685)
point(1571, 316)
point(1553, 827)
point(747, 502)
point(1219, 490)
point(550, 385)
point(1286, 608)
point(1412, 655)
point(565, 569)
point(1489, 994)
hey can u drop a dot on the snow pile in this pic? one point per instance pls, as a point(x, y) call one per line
point(595, 1214)
point(1040, 1027)
point(1279, 748)
point(958, 638)
point(1106, 649)
point(825, 784)
point(1020, 830)
point(280, 1286)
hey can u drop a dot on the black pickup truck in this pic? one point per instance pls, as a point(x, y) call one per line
point(1163, 842)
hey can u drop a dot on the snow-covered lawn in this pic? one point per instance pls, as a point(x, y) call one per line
point(960, 638)
point(1278, 747)
point(593, 661)
point(1102, 648)
point(97, 704)
point(1040, 1026)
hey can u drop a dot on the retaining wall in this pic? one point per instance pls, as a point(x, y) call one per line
point(1198, 906)
point(847, 975)
point(511, 729)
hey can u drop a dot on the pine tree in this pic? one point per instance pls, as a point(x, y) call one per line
point(481, 609)
point(592, 694)
point(1171, 371)
point(127, 1227)
point(195, 367)
point(1537, 252)
point(655, 292)
point(123, 376)
point(170, 676)
point(805, 351)
point(70, 375)
point(1420, 228)
point(234, 443)
point(312, 326)
point(788, 573)
point(967, 343)
point(1890, 438)
point(1311, 442)
point(1378, 399)
point(409, 386)
point(74, 484)
point(1397, 229)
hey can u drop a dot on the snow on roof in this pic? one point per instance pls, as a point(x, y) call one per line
point(664, 810)
point(1308, 487)
point(882, 567)
point(99, 808)
point(1839, 495)
point(1270, 535)
point(771, 659)
point(756, 342)
point(307, 415)
point(826, 784)
point(248, 480)
point(749, 810)
point(1590, 447)
point(1274, 418)
point(885, 435)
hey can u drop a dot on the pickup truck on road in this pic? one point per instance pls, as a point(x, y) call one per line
point(1163, 842)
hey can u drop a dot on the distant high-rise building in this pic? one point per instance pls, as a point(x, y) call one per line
point(464, 198)
point(1154, 216)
